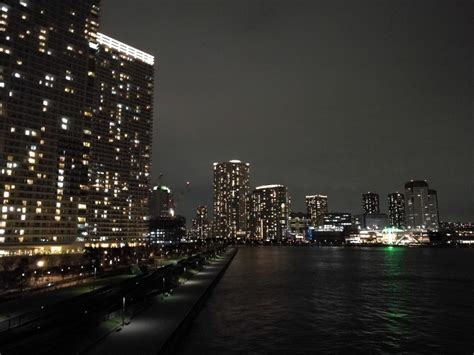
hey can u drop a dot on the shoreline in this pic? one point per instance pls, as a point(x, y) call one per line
point(159, 327)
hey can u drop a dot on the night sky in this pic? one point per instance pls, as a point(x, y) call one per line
point(332, 97)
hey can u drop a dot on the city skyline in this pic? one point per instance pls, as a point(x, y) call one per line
point(348, 126)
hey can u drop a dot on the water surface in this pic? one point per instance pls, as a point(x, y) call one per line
point(307, 299)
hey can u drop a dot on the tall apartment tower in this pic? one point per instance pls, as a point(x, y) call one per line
point(201, 223)
point(270, 206)
point(396, 210)
point(316, 206)
point(45, 108)
point(421, 206)
point(370, 203)
point(161, 202)
point(231, 193)
point(120, 153)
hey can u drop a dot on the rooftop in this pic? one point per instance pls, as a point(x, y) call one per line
point(125, 49)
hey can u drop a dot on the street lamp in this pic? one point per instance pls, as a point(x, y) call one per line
point(40, 264)
point(123, 311)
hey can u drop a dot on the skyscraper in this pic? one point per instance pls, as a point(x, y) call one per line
point(201, 223)
point(370, 203)
point(421, 206)
point(231, 194)
point(161, 202)
point(119, 169)
point(316, 206)
point(270, 212)
point(45, 110)
point(396, 210)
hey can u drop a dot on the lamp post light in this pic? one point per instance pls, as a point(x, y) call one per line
point(123, 311)
point(40, 264)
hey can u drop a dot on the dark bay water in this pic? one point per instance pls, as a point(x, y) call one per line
point(299, 300)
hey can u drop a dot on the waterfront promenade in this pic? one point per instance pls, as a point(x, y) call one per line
point(153, 330)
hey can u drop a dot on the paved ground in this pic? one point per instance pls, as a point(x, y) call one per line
point(149, 330)
point(34, 301)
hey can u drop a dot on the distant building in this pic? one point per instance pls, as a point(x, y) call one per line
point(336, 222)
point(167, 230)
point(270, 212)
point(120, 141)
point(375, 221)
point(421, 205)
point(316, 207)
point(201, 223)
point(370, 203)
point(231, 199)
point(161, 202)
point(299, 224)
point(396, 210)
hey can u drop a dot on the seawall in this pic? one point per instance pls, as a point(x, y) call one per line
point(160, 327)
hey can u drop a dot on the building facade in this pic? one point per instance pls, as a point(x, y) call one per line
point(336, 222)
point(299, 224)
point(396, 210)
point(120, 151)
point(231, 199)
point(45, 106)
point(316, 207)
point(201, 223)
point(421, 206)
point(167, 230)
point(375, 221)
point(270, 206)
point(370, 203)
point(161, 202)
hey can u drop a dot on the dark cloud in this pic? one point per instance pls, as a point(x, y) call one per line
point(336, 97)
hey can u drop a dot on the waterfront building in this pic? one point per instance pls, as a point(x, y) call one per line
point(336, 222)
point(231, 199)
point(421, 206)
point(121, 126)
point(370, 203)
point(396, 210)
point(46, 101)
point(270, 212)
point(167, 230)
point(161, 202)
point(375, 221)
point(316, 207)
point(201, 223)
point(299, 224)
point(358, 221)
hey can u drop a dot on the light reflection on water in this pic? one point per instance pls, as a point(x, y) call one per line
point(303, 300)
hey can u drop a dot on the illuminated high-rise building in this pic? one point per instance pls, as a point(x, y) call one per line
point(421, 204)
point(269, 217)
point(231, 194)
point(370, 203)
point(201, 223)
point(396, 210)
point(45, 121)
point(316, 206)
point(121, 137)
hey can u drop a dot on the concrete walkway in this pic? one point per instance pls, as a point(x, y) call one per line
point(149, 331)
point(34, 301)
